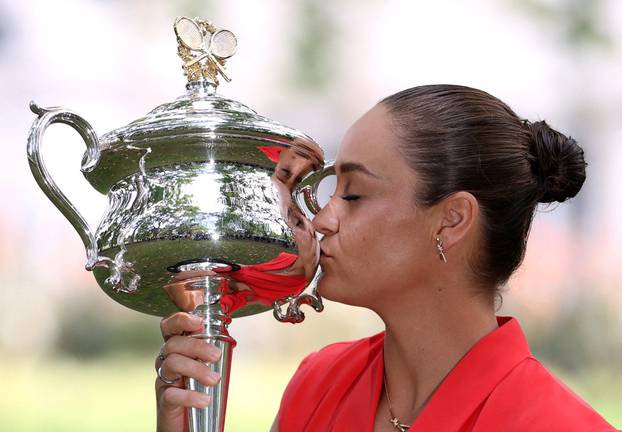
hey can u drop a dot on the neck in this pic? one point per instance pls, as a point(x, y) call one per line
point(425, 338)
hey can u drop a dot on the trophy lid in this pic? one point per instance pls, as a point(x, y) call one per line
point(199, 125)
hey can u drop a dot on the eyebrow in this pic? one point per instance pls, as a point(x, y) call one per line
point(347, 167)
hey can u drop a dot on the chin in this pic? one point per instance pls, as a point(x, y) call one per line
point(336, 291)
point(327, 288)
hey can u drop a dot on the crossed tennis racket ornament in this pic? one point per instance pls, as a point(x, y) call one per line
point(209, 207)
point(204, 48)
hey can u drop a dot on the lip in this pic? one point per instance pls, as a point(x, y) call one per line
point(324, 262)
point(324, 254)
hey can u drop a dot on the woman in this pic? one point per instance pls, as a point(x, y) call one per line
point(436, 190)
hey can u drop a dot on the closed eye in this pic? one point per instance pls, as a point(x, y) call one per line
point(350, 197)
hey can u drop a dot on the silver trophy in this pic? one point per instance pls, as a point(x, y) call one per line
point(209, 207)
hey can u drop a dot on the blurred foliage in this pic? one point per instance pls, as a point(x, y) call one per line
point(66, 395)
point(116, 394)
point(313, 46)
point(580, 20)
point(584, 335)
point(86, 334)
point(600, 388)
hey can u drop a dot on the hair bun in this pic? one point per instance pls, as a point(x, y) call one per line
point(557, 163)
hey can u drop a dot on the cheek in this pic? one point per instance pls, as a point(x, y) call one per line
point(375, 254)
point(381, 248)
point(377, 240)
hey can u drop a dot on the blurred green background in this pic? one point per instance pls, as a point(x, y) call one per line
point(73, 360)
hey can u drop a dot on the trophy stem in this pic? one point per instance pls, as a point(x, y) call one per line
point(215, 322)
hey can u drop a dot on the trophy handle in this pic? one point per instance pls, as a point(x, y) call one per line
point(293, 313)
point(305, 196)
point(47, 116)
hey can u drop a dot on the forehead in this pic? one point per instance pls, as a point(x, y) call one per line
point(370, 141)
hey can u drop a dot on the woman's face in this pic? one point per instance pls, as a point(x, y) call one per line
point(377, 244)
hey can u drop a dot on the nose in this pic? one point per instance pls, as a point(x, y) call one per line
point(325, 221)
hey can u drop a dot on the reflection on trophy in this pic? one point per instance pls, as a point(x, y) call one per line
point(208, 207)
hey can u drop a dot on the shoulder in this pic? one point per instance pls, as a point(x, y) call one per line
point(532, 398)
point(336, 355)
point(321, 372)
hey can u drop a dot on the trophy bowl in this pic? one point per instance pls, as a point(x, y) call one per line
point(209, 207)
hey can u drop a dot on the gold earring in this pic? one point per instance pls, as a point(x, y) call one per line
point(440, 250)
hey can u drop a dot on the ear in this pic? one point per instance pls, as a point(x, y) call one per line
point(458, 214)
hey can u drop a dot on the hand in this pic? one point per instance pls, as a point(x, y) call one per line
point(182, 356)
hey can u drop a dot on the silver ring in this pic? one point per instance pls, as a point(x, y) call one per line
point(162, 354)
point(164, 379)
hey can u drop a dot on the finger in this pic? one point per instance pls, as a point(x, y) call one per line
point(173, 397)
point(193, 348)
point(176, 366)
point(179, 323)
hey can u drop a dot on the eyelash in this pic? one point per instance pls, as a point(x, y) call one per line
point(348, 197)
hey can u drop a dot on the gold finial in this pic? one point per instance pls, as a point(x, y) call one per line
point(204, 49)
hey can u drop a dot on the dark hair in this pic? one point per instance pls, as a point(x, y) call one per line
point(459, 138)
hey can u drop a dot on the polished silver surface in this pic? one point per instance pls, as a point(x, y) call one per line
point(202, 177)
point(209, 206)
point(46, 117)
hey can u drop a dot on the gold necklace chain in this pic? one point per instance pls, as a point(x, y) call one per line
point(396, 422)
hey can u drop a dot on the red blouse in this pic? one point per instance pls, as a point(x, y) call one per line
point(497, 386)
